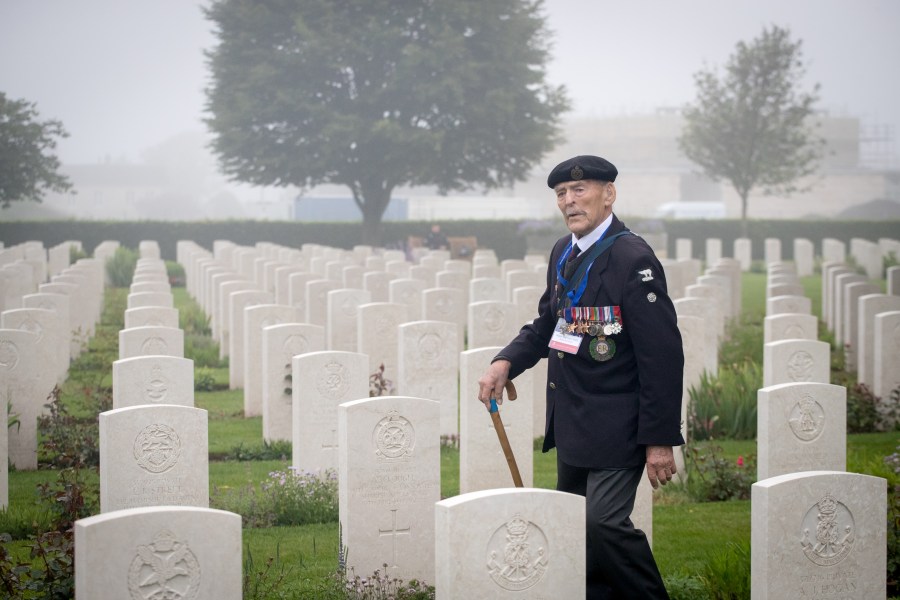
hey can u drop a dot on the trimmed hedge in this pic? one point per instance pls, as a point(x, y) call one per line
point(502, 236)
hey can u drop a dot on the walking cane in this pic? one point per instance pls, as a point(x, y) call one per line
point(501, 434)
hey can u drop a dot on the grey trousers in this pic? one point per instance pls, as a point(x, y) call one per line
point(620, 565)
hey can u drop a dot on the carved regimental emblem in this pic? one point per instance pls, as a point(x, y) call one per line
point(34, 327)
point(165, 569)
point(9, 355)
point(494, 319)
point(517, 555)
point(800, 366)
point(827, 532)
point(807, 418)
point(394, 437)
point(154, 345)
point(157, 448)
point(157, 386)
point(794, 331)
point(348, 308)
point(445, 306)
point(429, 348)
point(334, 380)
point(294, 345)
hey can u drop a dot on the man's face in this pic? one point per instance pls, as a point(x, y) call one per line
point(585, 204)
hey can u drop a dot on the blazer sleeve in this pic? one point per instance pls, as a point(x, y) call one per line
point(650, 322)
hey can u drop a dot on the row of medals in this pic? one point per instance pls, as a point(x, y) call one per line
point(601, 348)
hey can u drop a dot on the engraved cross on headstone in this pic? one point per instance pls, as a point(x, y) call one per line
point(393, 532)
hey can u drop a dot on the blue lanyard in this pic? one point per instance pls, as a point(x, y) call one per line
point(574, 293)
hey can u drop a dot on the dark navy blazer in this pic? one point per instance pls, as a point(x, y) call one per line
point(604, 414)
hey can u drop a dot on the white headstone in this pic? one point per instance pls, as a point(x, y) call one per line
point(281, 343)
point(153, 456)
point(796, 361)
point(449, 305)
point(150, 299)
point(389, 482)
point(818, 534)
point(153, 380)
point(804, 257)
point(482, 289)
point(510, 543)
point(159, 552)
point(408, 292)
point(772, 250)
point(146, 341)
point(377, 283)
point(257, 318)
point(237, 338)
point(869, 306)
point(151, 316)
point(743, 252)
point(833, 250)
point(428, 367)
point(343, 318)
point(778, 305)
point(320, 381)
point(886, 353)
point(801, 427)
point(713, 251)
point(492, 323)
point(482, 464)
point(24, 388)
point(837, 301)
point(789, 326)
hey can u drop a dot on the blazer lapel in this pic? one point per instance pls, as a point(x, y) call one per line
point(595, 277)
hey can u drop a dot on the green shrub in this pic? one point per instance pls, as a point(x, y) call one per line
point(685, 587)
point(274, 450)
point(893, 523)
point(76, 254)
point(284, 498)
point(726, 574)
point(743, 341)
point(175, 273)
point(120, 268)
point(709, 477)
point(68, 441)
point(203, 350)
point(725, 406)
point(193, 320)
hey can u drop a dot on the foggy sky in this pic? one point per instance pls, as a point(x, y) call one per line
point(126, 75)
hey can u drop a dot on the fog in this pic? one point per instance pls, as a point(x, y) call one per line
point(128, 77)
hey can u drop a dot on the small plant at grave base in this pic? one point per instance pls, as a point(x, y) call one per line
point(12, 418)
point(726, 574)
point(274, 450)
point(724, 406)
point(175, 273)
point(302, 498)
point(685, 587)
point(76, 254)
point(380, 586)
point(120, 267)
point(193, 320)
point(713, 478)
point(378, 384)
point(68, 441)
point(204, 381)
point(50, 572)
point(267, 582)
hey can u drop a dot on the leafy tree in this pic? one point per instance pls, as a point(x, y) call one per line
point(753, 126)
point(28, 167)
point(374, 94)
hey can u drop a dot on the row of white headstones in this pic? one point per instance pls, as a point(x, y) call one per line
point(386, 489)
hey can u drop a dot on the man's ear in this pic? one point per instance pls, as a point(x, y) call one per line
point(610, 194)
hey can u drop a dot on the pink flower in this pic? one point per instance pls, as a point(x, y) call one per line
point(740, 461)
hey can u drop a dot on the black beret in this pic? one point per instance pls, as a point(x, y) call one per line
point(582, 167)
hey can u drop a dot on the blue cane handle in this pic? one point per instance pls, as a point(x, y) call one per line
point(493, 405)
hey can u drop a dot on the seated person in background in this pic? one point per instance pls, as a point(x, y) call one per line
point(436, 240)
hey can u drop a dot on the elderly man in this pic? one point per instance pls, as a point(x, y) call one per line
point(615, 360)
